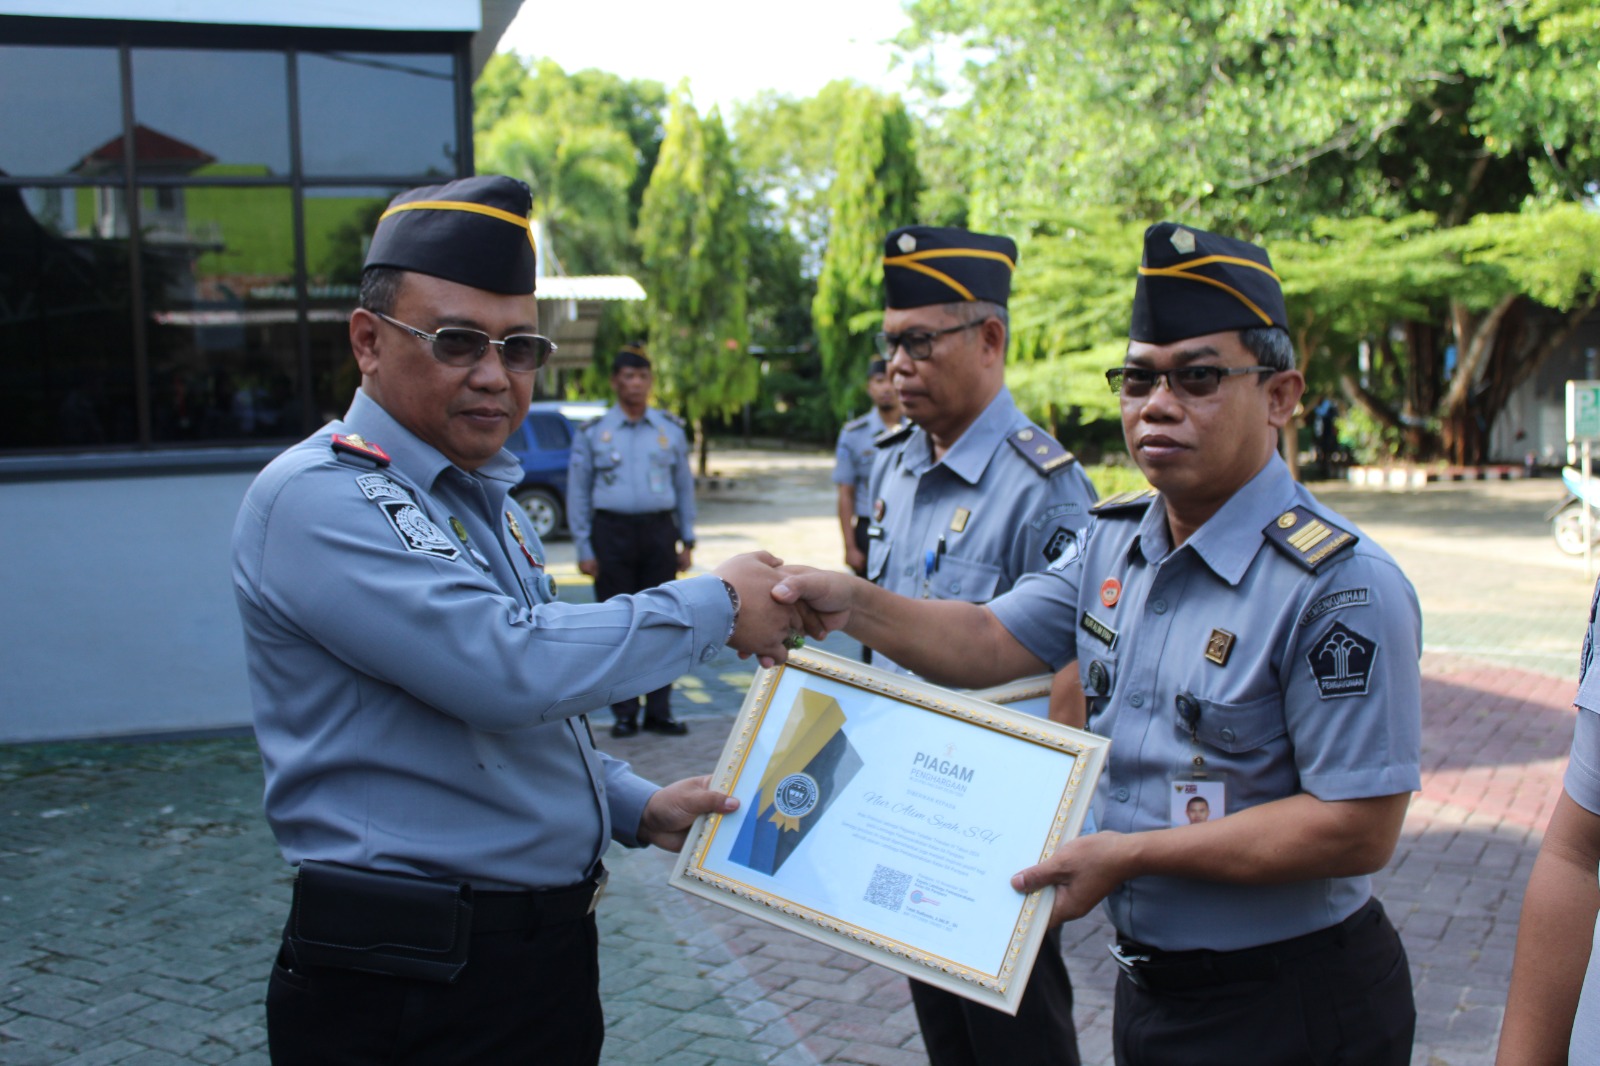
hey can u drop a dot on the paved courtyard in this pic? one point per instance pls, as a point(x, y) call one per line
point(141, 894)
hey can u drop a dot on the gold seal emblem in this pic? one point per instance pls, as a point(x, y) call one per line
point(1286, 520)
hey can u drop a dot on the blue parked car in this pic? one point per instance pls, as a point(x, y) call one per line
point(544, 444)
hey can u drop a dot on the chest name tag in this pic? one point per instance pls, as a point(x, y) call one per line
point(415, 530)
point(1098, 629)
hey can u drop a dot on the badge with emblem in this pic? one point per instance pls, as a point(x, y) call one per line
point(1341, 662)
point(907, 243)
point(461, 534)
point(958, 522)
point(1110, 591)
point(663, 441)
point(415, 531)
point(516, 534)
point(878, 509)
point(1219, 646)
point(1183, 241)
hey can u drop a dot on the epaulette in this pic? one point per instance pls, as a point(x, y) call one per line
point(893, 436)
point(354, 444)
point(1306, 538)
point(1133, 500)
point(858, 422)
point(1043, 452)
point(675, 418)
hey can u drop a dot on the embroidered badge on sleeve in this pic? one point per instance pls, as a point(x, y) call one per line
point(1341, 662)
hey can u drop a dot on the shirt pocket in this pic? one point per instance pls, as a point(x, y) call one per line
point(607, 459)
point(963, 579)
point(1238, 726)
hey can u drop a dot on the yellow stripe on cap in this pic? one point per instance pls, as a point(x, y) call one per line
point(1184, 273)
point(913, 261)
point(462, 205)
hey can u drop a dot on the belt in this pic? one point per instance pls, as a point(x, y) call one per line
point(640, 519)
point(504, 912)
point(1155, 970)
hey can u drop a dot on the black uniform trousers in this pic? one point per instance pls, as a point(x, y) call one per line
point(525, 996)
point(1346, 1001)
point(959, 1032)
point(634, 553)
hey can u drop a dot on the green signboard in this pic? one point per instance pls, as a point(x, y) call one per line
point(1583, 411)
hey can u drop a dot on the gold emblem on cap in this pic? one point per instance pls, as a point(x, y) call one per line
point(1183, 241)
point(959, 521)
point(1286, 520)
point(1025, 436)
point(1219, 646)
point(907, 243)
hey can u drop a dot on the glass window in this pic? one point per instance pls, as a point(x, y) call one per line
point(62, 105)
point(66, 339)
point(339, 225)
point(366, 113)
point(210, 113)
point(222, 320)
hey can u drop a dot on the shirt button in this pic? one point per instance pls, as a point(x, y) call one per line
point(1136, 699)
point(1122, 795)
point(708, 653)
point(1227, 734)
point(955, 587)
point(909, 569)
point(1159, 607)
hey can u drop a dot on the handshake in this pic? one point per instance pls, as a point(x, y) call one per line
point(779, 606)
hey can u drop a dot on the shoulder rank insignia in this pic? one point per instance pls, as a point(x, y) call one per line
point(355, 444)
point(1135, 500)
point(893, 436)
point(858, 423)
point(1043, 452)
point(1307, 539)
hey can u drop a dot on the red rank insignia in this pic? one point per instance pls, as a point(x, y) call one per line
point(356, 444)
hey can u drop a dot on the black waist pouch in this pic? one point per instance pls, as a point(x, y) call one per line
point(386, 923)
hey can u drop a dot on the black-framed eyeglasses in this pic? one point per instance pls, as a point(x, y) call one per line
point(917, 343)
point(460, 346)
point(1195, 381)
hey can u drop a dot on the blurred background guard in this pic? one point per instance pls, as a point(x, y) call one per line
point(419, 699)
point(631, 500)
point(852, 467)
point(965, 500)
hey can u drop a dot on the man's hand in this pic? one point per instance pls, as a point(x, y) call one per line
point(828, 596)
point(685, 559)
point(1084, 871)
point(670, 811)
point(589, 566)
point(855, 558)
point(765, 628)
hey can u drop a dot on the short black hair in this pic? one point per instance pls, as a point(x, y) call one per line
point(380, 289)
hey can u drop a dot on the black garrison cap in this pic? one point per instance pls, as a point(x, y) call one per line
point(925, 265)
point(1192, 283)
point(630, 355)
point(473, 231)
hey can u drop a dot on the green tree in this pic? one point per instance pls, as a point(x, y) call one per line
point(874, 190)
point(693, 228)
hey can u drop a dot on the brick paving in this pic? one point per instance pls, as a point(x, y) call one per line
point(140, 892)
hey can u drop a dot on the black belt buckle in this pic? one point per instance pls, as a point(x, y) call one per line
point(1130, 963)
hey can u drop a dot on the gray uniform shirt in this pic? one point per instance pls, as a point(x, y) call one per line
point(416, 695)
point(1582, 783)
point(853, 458)
point(1317, 689)
point(968, 526)
point(630, 467)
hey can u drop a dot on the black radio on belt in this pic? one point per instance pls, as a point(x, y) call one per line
point(386, 923)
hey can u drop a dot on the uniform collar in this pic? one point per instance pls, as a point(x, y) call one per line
point(616, 417)
point(1230, 539)
point(970, 455)
point(410, 455)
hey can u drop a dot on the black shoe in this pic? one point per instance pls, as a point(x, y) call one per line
point(625, 728)
point(668, 726)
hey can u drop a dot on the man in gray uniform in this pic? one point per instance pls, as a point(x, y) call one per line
point(967, 499)
point(630, 504)
point(853, 459)
point(419, 697)
point(1238, 641)
point(1553, 1009)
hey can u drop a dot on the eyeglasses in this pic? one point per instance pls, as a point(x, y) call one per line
point(917, 343)
point(1137, 382)
point(459, 346)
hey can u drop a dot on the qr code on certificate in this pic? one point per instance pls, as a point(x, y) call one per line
point(887, 889)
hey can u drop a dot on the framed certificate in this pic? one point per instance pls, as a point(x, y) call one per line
point(884, 816)
point(1030, 695)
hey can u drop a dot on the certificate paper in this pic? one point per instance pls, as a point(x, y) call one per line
point(884, 816)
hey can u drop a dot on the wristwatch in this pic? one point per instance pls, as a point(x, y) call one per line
point(733, 598)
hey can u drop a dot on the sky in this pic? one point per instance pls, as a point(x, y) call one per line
point(728, 49)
